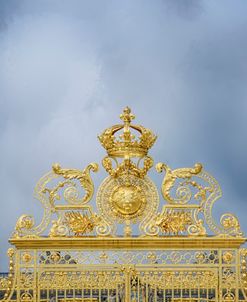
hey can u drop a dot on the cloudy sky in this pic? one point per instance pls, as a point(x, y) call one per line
point(67, 69)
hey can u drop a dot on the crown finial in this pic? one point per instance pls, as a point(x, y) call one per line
point(132, 141)
point(127, 116)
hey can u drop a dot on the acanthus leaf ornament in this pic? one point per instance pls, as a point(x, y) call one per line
point(67, 189)
point(174, 223)
point(199, 187)
point(171, 176)
point(82, 251)
point(83, 176)
point(128, 196)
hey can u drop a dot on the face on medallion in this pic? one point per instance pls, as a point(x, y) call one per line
point(127, 200)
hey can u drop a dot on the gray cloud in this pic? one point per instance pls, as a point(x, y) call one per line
point(67, 68)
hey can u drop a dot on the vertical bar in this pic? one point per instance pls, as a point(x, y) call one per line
point(89, 295)
point(198, 287)
point(116, 292)
point(35, 277)
point(172, 294)
point(138, 289)
point(237, 270)
point(207, 289)
point(155, 293)
point(190, 292)
point(219, 287)
point(83, 287)
point(146, 292)
point(127, 286)
point(181, 285)
point(18, 275)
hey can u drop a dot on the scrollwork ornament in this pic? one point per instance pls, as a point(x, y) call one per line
point(54, 192)
point(149, 227)
point(105, 227)
point(84, 178)
point(183, 194)
point(206, 194)
point(127, 166)
point(71, 195)
point(197, 229)
point(25, 226)
point(24, 222)
point(58, 229)
point(107, 164)
point(230, 224)
point(147, 165)
point(74, 262)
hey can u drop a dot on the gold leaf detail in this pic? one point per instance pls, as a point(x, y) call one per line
point(79, 223)
point(172, 175)
point(83, 176)
point(174, 222)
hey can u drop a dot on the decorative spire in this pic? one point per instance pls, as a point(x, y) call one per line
point(127, 116)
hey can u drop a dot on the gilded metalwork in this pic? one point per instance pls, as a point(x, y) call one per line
point(174, 223)
point(175, 253)
point(127, 199)
point(127, 166)
point(79, 224)
point(198, 190)
point(84, 178)
point(126, 145)
point(169, 180)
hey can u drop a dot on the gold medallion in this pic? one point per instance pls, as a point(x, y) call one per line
point(127, 198)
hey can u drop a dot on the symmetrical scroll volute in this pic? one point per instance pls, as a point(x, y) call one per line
point(61, 259)
point(128, 196)
point(190, 193)
point(59, 193)
point(83, 176)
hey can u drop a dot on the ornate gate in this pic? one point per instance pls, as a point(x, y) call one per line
point(79, 254)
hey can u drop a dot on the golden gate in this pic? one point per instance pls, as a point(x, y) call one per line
point(82, 253)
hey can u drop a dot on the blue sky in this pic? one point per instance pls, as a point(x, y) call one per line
point(67, 69)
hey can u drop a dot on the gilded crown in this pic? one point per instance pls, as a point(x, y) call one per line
point(127, 144)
